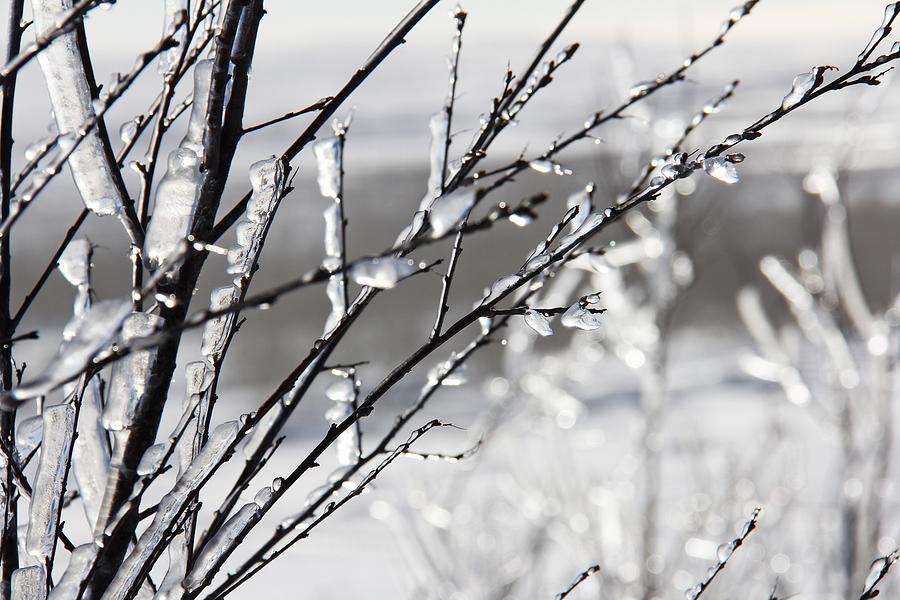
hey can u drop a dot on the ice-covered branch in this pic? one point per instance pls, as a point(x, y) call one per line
point(579, 579)
point(71, 94)
point(723, 553)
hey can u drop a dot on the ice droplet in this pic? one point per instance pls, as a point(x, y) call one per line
point(720, 168)
point(580, 317)
point(802, 85)
point(641, 88)
point(128, 130)
point(724, 551)
point(152, 459)
point(500, 286)
point(692, 593)
point(538, 322)
point(875, 572)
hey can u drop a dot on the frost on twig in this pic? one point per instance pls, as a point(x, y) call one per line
point(93, 168)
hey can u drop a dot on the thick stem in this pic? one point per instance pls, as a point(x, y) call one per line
point(9, 554)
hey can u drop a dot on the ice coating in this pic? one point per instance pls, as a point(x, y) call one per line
point(90, 453)
point(581, 317)
point(128, 578)
point(81, 562)
point(213, 555)
point(719, 168)
point(130, 376)
point(28, 434)
point(448, 211)
point(267, 181)
point(177, 198)
point(95, 330)
point(437, 155)
point(215, 332)
point(178, 193)
point(802, 85)
point(70, 97)
point(193, 137)
point(180, 550)
point(500, 286)
point(75, 262)
point(49, 483)
point(168, 58)
point(347, 446)
point(382, 273)
point(29, 583)
point(538, 322)
point(328, 157)
point(581, 199)
point(152, 459)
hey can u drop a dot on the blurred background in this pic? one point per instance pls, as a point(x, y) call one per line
point(721, 379)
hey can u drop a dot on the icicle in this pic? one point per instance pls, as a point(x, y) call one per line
point(70, 97)
point(214, 553)
point(95, 330)
point(538, 322)
point(29, 583)
point(328, 157)
point(81, 564)
point(448, 211)
point(130, 376)
point(335, 289)
point(383, 273)
point(267, 181)
point(437, 155)
point(75, 262)
point(128, 578)
point(177, 197)
point(215, 331)
point(582, 200)
point(198, 379)
point(197, 123)
point(178, 193)
point(90, 454)
point(46, 501)
point(347, 446)
point(28, 434)
point(169, 58)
